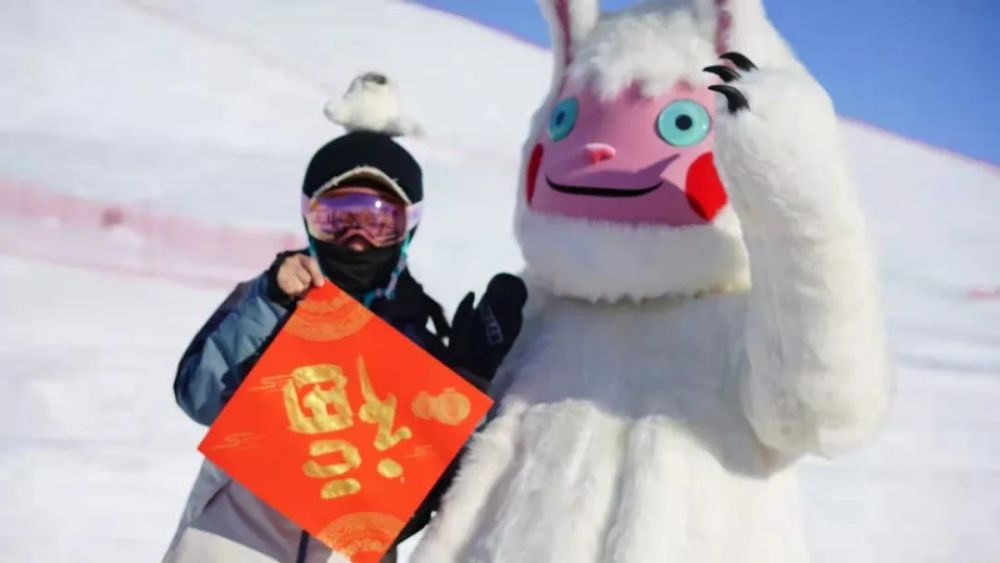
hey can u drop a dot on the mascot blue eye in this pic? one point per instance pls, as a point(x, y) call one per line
point(563, 118)
point(683, 123)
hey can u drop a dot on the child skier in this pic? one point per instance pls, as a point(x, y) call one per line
point(361, 204)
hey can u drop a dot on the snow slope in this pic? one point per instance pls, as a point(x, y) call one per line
point(157, 147)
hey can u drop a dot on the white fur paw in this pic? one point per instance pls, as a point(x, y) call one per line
point(770, 94)
point(777, 147)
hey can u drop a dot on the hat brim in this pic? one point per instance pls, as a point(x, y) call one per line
point(368, 173)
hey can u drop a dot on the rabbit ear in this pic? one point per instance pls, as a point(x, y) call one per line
point(569, 23)
point(723, 25)
point(742, 25)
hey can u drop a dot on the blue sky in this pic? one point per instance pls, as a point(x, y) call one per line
point(926, 69)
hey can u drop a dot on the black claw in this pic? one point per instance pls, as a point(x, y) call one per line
point(734, 98)
point(724, 72)
point(740, 60)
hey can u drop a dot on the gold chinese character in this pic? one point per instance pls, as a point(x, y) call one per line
point(379, 412)
point(390, 468)
point(327, 390)
point(352, 460)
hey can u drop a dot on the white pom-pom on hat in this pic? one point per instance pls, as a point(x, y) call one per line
point(371, 103)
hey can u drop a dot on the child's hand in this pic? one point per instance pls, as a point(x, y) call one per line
point(297, 273)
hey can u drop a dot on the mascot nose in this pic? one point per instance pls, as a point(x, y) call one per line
point(599, 152)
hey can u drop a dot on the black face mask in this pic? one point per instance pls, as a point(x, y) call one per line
point(356, 272)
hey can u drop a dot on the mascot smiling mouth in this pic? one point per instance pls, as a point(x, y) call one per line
point(601, 192)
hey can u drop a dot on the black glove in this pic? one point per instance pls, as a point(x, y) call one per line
point(482, 336)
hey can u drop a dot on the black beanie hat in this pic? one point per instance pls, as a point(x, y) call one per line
point(364, 149)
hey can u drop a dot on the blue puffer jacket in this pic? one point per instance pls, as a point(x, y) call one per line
point(225, 349)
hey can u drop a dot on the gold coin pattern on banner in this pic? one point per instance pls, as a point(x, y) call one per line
point(361, 532)
point(321, 321)
point(450, 407)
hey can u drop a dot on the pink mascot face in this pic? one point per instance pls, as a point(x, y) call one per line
point(632, 159)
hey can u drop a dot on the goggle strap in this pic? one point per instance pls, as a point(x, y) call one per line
point(414, 213)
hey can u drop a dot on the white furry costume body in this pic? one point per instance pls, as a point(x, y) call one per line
point(655, 402)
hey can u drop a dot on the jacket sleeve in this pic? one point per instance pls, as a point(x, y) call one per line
point(225, 349)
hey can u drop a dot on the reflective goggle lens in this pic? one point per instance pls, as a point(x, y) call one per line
point(338, 215)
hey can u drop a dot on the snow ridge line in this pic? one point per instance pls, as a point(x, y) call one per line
point(193, 27)
point(927, 145)
point(298, 74)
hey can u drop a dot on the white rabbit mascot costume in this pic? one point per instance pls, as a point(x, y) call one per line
point(705, 303)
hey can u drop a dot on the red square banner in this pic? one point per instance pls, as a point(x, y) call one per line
point(344, 425)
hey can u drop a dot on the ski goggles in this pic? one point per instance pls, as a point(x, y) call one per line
point(340, 214)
